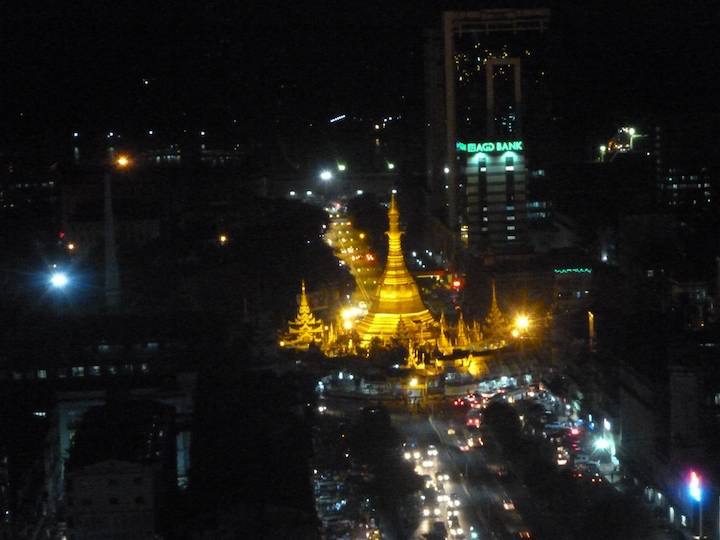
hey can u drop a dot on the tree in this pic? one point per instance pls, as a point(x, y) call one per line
point(502, 419)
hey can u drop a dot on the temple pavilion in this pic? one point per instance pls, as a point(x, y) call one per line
point(305, 329)
point(397, 298)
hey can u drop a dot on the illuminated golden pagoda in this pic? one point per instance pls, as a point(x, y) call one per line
point(462, 341)
point(443, 342)
point(305, 329)
point(397, 297)
point(496, 328)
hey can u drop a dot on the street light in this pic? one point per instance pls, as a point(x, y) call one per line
point(59, 280)
point(326, 175)
point(603, 149)
point(391, 166)
point(341, 167)
point(122, 161)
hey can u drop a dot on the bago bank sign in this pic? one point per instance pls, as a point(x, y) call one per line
point(490, 146)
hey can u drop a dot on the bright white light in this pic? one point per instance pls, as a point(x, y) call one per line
point(150, 132)
point(76, 134)
point(342, 167)
point(59, 280)
point(308, 193)
point(292, 193)
point(391, 166)
point(359, 192)
point(606, 424)
point(202, 133)
point(446, 170)
point(326, 175)
point(394, 191)
point(601, 444)
point(337, 118)
point(111, 134)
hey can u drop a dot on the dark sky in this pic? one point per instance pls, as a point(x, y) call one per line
point(82, 63)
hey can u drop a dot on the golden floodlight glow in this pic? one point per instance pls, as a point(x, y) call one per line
point(522, 322)
point(413, 382)
point(223, 239)
point(71, 246)
point(122, 161)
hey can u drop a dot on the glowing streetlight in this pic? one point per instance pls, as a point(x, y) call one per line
point(326, 175)
point(71, 246)
point(59, 280)
point(223, 239)
point(391, 166)
point(341, 167)
point(122, 161)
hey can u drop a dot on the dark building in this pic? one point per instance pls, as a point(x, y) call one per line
point(120, 470)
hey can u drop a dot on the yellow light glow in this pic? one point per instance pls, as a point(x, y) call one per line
point(282, 343)
point(522, 322)
point(414, 382)
point(122, 161)
point(223, 239)
point(71, 246)
point(362, 235)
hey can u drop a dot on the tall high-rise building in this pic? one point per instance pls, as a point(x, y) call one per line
point(487, 105)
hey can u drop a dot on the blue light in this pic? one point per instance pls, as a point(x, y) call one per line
point(694, 488)
point(59, 280)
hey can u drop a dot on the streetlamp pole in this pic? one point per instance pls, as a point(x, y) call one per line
point(112, 271)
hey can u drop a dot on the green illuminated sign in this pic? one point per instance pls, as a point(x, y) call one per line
point(573, 271)
point(490, 146)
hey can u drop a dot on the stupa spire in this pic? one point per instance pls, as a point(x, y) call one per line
point(462, 341)
point(443, 342)
point(496, 327)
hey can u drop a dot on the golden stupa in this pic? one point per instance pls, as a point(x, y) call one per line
point(397, 297)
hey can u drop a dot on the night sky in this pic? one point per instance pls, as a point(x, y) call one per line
point(81, 65)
